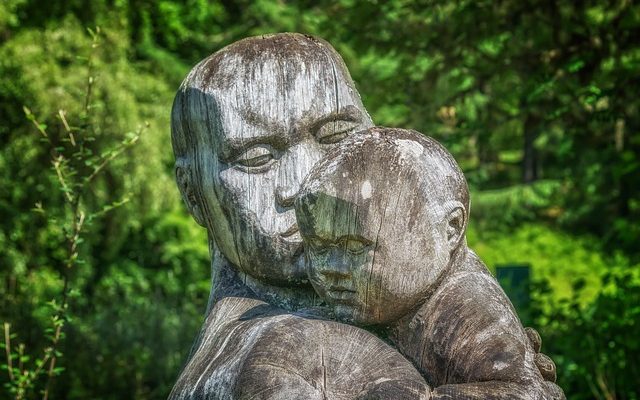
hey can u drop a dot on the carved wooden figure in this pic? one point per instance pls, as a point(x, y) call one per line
point(248, 124)
point(383, 218)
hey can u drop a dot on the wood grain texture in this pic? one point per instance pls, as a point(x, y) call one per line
point(256, 351)
point(383, 218)
point(250, 124)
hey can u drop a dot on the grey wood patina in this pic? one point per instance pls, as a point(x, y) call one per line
point(383, 218)
point(249, 123)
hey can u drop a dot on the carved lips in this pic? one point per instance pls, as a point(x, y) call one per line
point(341, 294)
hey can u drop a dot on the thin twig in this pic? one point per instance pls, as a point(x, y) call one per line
point(90, 79)
point(74, 201)
point(7, 348)
point(73, 240)
point(110, 158)
point(74, 188)
point(63, 182)
point(66, 127)
point(45, 358)
point(30, 376)
point(52, 364)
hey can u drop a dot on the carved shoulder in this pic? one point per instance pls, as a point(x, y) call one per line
point(468, 331)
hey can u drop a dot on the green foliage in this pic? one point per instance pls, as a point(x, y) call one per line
point(536, 100)
point(122, 214)
point(596, 346)
point(563, 260)
point(506, 208)
point(76, 166)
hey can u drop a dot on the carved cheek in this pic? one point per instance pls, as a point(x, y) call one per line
point(421, 270)
point(247, 193)
point(369, 281)
point(394, 285)
point(314, 268)
point(252, 198)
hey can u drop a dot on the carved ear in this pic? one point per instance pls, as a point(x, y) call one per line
point(456, 223)
point(184, 177)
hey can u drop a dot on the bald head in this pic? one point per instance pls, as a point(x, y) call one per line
point(383, 163)
point(290, 77)
point(382, 216)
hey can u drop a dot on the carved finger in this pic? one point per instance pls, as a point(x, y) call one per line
point(546, 366)
point(534, 338)
point(554, 392)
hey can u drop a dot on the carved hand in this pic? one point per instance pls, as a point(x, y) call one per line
point(544, 363)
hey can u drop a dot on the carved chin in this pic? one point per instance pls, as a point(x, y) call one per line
point(346, 313)
point(274, 259)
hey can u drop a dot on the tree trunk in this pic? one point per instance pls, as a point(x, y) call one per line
point(530, 156)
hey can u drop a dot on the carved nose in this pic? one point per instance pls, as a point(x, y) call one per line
point(337, 268)
point(286, 196)
point(294, 168)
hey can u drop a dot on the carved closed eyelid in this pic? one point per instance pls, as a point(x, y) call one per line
point(256, 157)
point(335, 131)
point(350, 114)
point(355, 244)
point(232, 148)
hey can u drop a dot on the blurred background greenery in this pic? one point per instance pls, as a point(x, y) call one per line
point(537, 100)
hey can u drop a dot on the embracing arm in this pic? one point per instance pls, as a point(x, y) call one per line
point(305, 358)
point(468, 342)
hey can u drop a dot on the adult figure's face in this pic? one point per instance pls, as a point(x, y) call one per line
point(267, 111)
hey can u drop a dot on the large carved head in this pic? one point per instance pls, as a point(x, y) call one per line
point(248, 123)
point(382, 216)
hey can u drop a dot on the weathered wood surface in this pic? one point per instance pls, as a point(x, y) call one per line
point(248, 125)
point(257, 351)
point(383, 218)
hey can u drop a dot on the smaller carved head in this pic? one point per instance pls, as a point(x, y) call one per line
point(381, 218)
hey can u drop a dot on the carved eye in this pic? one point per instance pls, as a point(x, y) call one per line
point(257, 157)
point(317, 245)
point(335, 131)
point(355, 246)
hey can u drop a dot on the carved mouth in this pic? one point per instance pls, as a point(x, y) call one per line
point(341, 293)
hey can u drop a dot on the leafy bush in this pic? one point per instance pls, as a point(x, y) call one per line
point(595, 346)
point(563, 260)
point(503, 209)
point(138, 296)
point(585, 303)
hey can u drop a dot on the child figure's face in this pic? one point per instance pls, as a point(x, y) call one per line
point(374, 244)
